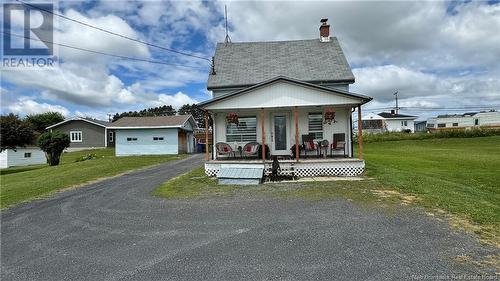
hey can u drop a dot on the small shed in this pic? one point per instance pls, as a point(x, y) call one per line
point(154, 135)
point(22, 156)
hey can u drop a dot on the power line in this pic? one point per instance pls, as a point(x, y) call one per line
point(438, 108)
point(113, 33)
point(101, 53)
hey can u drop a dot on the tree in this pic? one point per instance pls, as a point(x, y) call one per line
point(53, 144)
point(15, 132)
point(165, 110)
point(43, 120)
point(198, 113)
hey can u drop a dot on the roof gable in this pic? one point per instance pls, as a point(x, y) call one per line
point(283, 92)
point(249, 63)
point(100, 123)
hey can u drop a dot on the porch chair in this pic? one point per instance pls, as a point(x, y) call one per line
point(251, 149)
point(308, 144)
point(223, 148)
point(338, 144)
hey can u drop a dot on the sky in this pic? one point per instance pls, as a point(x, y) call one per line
point(441, 56)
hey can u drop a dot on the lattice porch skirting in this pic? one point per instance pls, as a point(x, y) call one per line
point(347, 167)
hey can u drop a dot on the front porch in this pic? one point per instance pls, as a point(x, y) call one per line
point(308, 128)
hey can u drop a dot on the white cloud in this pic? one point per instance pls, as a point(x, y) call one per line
point(380, 82)
point(177, 100)
point(74, 34)
point(25, 106)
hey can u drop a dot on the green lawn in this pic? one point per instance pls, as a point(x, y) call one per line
point(21, 184)
point(459, 176)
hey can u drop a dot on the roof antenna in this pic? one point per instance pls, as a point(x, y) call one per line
point(227, 39)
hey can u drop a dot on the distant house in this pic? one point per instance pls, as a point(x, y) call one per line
point(420, 126)
point(467, 120)
point(86, 133)
point(388, 122)
point(22, 156)
point(154, 135)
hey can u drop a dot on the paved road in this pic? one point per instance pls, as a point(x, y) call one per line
point(114, 230)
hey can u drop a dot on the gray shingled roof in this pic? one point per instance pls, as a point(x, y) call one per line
point(104, 123)
point(153, 121)
point(249, 63)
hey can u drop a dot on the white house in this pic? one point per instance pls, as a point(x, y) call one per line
point(285, 97)
point(468, 120)
point(388, 122)
point(154, 135)
point(22, 156)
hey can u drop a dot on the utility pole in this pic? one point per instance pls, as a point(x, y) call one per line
point(397, 107)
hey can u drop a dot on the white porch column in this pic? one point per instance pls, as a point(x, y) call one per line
point(262, 124)
point(360, 134)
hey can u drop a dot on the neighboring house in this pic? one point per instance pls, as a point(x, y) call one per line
point(420, 126)
point(154, 135)
point(283, 93)
point(388, 122)
point(86, 133)
point(490, 119)
point(22, 156)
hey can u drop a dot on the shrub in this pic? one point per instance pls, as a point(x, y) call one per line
point(53, 144)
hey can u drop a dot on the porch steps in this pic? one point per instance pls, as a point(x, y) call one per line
point(230, 175)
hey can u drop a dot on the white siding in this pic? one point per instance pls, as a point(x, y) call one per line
point(488, 118)
point(342, 116)
point(485, 119)
point(283, 94)
point(11, 158)
point(396, 126)
point(3, 159)
point(145, 145)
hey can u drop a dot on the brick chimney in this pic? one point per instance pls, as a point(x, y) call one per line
point(324, 31)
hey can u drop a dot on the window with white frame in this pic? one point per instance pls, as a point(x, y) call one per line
point(111, 137)
point(404, 123)
point(476, 122)
point(131, 139)
point(244, 131)
point(316, 125)
point(75, 136)
point(158, 138)
point(27, 155)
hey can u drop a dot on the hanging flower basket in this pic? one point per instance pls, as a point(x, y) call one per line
point(329, 117)
point(232, 118)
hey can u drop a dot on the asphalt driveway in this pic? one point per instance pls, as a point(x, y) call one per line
point(115, 230)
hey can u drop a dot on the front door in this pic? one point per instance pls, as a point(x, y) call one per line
point(279, 134)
